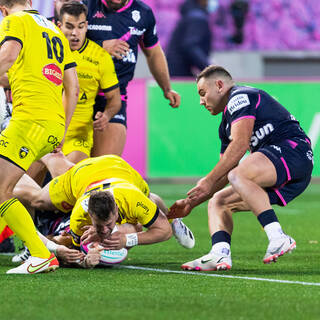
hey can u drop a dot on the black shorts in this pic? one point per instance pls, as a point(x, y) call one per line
point(121, 116)
point(293, 160)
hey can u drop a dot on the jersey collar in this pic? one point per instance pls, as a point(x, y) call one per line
point(121, 9)
point(83, 47)
point(32, 11)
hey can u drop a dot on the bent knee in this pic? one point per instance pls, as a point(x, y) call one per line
point(218, 200)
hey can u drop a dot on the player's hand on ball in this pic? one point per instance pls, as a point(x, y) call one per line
point(116, 241)
point(69, 255)
point(93, 256)
point(89, 235)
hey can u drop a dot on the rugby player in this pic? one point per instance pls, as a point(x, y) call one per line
point(120, 26)
point(39, 63)
point(277, 170)
point(96, 71)
point(122, 196)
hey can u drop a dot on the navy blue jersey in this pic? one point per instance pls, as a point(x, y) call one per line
point(134, 23)
point(273, 123)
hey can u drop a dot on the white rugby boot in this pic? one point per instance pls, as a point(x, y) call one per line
point(36, 265)
point(22, 256)
point(182, 233)
point(209, 262)
point(278, 247)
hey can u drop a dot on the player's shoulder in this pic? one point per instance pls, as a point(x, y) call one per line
point(96, 50)
point(240, 97)
point(140, 5)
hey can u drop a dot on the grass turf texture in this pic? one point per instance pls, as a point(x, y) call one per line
point(115, 293)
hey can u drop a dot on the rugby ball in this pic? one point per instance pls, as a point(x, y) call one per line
point(107, 257)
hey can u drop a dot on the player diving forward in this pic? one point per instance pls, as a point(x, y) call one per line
point(101, 192)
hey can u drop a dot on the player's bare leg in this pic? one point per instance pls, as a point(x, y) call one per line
point(249, 179)
point(220, 209)
point(37, 172)
point(109, 141)
point(76, 156)
point(31, 194)
point(18, 219)
point(57, 163)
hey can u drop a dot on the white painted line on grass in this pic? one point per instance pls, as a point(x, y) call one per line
point(220, 275)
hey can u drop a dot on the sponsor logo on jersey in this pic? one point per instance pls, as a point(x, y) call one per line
point(84, 75)
point(23, 152)
point(276, 148)
point(53, 73)
point(45, 23)
point(99, 15)
point(136, 32)
point(136, 15)
point(99, 27)
point(130, 57)
point(238, 102)
point(309, 155)
point(261, 133)
point(81, 143)
point(140, 204)
point(89, 59)
point(53, 140)
point(3, 143)
point(85, 204)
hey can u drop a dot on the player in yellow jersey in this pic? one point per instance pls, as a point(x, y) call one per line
point(121, 195)
point(38, 61)
point(96, 71)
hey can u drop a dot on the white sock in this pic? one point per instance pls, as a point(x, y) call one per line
point(221, 248)
point(273, 230)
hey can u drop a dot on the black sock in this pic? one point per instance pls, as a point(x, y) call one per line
point(220, 236)
point(267, 217)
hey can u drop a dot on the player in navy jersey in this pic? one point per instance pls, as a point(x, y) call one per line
point(119, 26)
point(277, 170)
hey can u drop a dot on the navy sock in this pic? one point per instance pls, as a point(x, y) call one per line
point(220, 236)
point(267, 217)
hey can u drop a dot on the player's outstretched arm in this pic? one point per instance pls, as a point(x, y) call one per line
point(158, 66)
point(9, 52)
point(159, 231)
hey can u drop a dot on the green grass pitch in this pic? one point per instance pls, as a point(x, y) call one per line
point(122, 293)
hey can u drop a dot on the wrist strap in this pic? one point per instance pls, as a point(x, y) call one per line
point(52, 246)
point(132, 240)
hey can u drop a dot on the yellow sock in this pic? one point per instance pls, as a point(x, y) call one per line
point(19, 220)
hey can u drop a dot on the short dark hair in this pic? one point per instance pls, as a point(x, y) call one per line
point(73, 8)
point(213, 70)
point(101, 204)
point(11, 3)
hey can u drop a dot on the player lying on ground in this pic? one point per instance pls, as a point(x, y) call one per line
point(120, 195)
point(277, 170)
point(57, 238)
